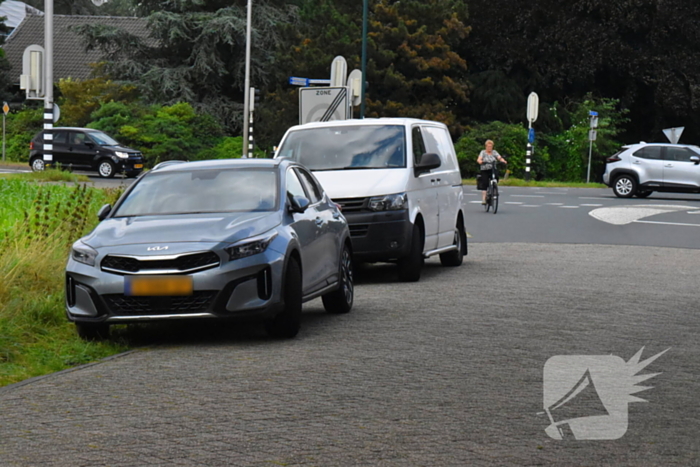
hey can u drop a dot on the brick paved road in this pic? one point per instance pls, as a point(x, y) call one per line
point(444, 372)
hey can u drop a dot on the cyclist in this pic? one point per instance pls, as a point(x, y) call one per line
point(487, 157)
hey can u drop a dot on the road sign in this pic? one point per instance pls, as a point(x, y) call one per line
point(355, 86)
point(323, 104)
point(5, 108)
point(531, 135)
point(294, 81)
point(592, 135)
point(674, 134)
point(533, 106)
point(339, 71)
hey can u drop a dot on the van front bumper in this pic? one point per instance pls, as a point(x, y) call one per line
point(380, 236)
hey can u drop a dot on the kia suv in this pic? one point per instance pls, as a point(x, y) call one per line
point(86, 149)
point(640, 169)
point(225, 239)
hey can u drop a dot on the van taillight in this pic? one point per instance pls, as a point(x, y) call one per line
point(613, 159)
point(31, 145)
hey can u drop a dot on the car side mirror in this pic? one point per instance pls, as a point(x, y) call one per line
point(298, 203)
point(104, 212)
point(695, 160)
point(428, 162)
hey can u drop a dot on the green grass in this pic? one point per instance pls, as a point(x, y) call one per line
point(38, 223)
point(542, 184)
point(48, 175)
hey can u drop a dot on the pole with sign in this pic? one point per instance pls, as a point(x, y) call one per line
point(592, 135)
point(5, 110)
point(533, 106)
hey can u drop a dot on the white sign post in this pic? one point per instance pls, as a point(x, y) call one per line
point(592, 136)
point(323, 104)
point(533, 106)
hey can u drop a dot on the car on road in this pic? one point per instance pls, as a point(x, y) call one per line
point(228, 239)
point(398, 182)
point(640, 169)
point(86, 149)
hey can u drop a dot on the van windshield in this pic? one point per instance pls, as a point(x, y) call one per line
point(347, 147)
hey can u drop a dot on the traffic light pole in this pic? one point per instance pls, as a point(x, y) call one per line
point(48, 82)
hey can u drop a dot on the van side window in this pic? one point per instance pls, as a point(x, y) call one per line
point(438, 140)
point(418, 144)
point(311, 186)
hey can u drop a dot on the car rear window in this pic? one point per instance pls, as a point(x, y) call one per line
point(202, 191)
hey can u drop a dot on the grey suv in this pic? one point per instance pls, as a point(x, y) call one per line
point(212, 240)
point(640, 169)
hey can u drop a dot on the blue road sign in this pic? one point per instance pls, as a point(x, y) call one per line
point(294, 81)
point(531, 136)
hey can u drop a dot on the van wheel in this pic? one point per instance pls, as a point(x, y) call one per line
point(106, 169)
point(286, 323)
point(625, 186)
point(341, 299)
point(38, 164)
point(454, 258)
point(410, 266)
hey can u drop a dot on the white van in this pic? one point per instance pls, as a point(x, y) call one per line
point(397, 181)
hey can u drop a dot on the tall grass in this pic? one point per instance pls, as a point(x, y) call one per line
point(38, 224)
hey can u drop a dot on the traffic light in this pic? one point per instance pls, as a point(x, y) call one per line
point(254, 97)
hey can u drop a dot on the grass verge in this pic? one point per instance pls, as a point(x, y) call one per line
point(48, 175)
point(38, 224)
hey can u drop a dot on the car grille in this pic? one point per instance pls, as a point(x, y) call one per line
point(351, 204)
point(185, 263)
point(123, 305)
point(358, 230)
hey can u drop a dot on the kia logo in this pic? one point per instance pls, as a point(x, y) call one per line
point(157, 248)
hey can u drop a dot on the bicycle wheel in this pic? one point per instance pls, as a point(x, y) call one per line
point(487, 206)
point(494, 198)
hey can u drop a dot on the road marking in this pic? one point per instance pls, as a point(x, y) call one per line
point(593, 197)
point(530, 206)
point(527, 196)
point(555, 204)
point(592, 205)
point(512, 202)
point(569, 207)
point(549, 193)
point(693, 212)
point(621, 215)
point(666, 223)
point(475, 202)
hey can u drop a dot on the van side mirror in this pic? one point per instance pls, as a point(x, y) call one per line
point(428, 162)
point(298, 204)
point(695, 160)
point(104, 212)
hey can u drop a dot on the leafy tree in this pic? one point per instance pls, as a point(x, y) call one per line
point(79, 99)
point(20, 129)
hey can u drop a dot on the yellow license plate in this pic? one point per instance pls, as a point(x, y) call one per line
point(157, 285)
point(138, 166)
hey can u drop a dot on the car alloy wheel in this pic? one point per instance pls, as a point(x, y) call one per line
point(625, 186)
point(341, 299)
point(38, 164)
point(106, 169)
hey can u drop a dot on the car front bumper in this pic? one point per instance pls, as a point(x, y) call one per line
point(247, 287)
point(380, 236)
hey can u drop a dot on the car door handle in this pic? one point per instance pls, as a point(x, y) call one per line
point(668, 165)
point(319, 221)
point(636, 162)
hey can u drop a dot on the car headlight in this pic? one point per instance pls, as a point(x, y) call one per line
point(250, 246)
point(83, 253)
point(389, 202)
point(122, 155)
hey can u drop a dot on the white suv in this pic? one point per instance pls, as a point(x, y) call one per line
point(397, 181)
point(640, 169)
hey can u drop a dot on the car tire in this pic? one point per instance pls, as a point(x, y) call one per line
point(340, 300)
point(105, 168)
point(454, 258)
point(38, 164)
point(92, 331)
point(286, 323)
point(643, 194)
point(625, 186)
point(410, 266)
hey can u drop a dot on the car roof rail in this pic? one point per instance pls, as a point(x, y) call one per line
point(167, 163)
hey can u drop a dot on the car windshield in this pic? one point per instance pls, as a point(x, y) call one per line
point(347, 147)
point(202, 191)
point(103, 139)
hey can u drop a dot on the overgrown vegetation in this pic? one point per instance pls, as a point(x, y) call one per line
point(38, 224)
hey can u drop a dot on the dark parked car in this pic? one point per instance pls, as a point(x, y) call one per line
point(222, 239)
point(86, 149)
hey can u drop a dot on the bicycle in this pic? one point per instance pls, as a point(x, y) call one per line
point(492, 190)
